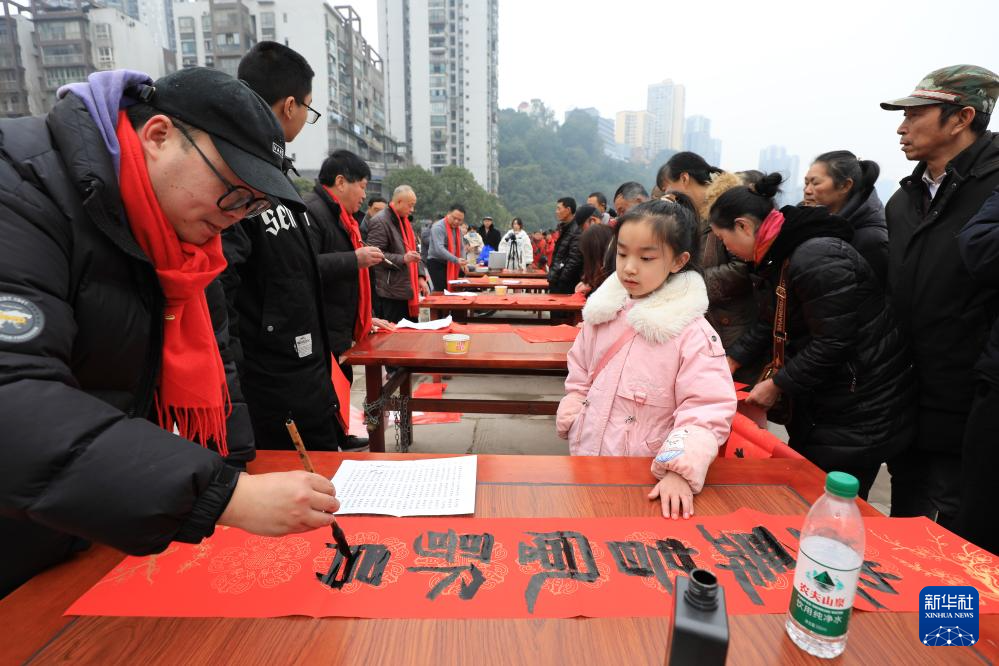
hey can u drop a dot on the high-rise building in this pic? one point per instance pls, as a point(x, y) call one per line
point(666, 106)
point(697, 138)
point(16, 60)
point(441, 85)
point(74, 38)
point(632, 129)
point(605, 129)
point(348, 87)
point(776, 158)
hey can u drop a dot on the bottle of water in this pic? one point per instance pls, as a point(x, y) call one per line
point(830, 555)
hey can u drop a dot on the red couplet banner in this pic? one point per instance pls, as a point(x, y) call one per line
point(448, 567)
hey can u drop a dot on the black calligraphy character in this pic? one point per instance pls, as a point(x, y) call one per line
point(445, 546)
point(369, 562)
point(876, 580)
point(635, 558)
point(754, 558)
point(557, 554)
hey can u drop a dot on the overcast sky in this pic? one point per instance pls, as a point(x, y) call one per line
point(806, 75)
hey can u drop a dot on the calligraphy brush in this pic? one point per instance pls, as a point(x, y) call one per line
point(385, 259)
point(342, 544)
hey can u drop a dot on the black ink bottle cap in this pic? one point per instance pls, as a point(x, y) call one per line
point(702, 590)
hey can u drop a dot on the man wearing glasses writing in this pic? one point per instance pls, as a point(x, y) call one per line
point(120, 421)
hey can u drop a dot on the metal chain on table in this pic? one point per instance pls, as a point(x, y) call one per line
point(373, 413)
point(403, 424)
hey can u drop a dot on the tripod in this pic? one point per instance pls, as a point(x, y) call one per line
point(513, 257)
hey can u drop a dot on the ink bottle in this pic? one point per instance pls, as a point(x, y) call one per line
point(699, 626)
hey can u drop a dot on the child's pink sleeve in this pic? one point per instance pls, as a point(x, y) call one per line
point(577, 385)
point(705, 407)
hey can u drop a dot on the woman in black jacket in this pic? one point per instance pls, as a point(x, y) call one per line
point(845, 186)
point(846, 367)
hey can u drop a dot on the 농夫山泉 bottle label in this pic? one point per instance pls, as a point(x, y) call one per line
point(823, 595)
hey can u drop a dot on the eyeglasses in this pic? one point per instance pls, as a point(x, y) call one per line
point(313, 114)
point(236, 196)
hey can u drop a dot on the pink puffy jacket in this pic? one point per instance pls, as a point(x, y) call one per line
point(667, 393)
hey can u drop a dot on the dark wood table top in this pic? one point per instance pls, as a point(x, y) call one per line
point(528, 486)
point(484, 283)
point(487, 350)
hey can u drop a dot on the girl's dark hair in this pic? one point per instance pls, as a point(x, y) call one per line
point(688, 163)
point(673, 224)
point(842, 165)
point(754, 201)
point(517, 221)
point(683, 200)
point(593, 246)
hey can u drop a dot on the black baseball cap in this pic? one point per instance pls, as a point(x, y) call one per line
point(239, 122)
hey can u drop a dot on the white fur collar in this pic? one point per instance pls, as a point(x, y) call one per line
point(658, 317)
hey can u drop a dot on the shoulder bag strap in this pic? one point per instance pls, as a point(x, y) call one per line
point(780, 318)
point(624, 339)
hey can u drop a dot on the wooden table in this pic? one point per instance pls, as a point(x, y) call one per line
point(462, 307)
point(528, 486)
point(423, 353)
point(475, 283)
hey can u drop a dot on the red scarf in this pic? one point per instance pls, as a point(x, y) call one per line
point(767, 234)
point(192, 393)
point(362, 322)
point(452, 247)
point(409, 242)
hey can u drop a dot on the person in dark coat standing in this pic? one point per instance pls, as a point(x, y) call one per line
point(491, 236)
point(567, 260)
point(845, 186)
point(273, 286)
point(344, 261)
point(945, 314)
point(846, 370)
point(399, 285)
point(978, 244)
point(111, 222)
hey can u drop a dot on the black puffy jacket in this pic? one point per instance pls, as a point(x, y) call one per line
point(276, 319)
point(979, 246)
point(847, 369)
point(80, 458)
point(567, 260)
point(337, 266)
point(866, 213)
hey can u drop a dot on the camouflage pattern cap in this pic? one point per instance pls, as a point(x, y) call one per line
point(965, 85)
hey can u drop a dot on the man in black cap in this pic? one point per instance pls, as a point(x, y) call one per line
point(945, 314)
point(112, 206)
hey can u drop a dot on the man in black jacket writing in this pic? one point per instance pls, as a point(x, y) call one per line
point(111, 225)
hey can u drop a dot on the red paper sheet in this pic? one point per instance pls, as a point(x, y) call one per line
point(449, 567)
point(433, 390)
point(560, 333)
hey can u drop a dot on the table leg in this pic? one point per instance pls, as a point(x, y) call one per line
point(373, 384)
point(406, 423)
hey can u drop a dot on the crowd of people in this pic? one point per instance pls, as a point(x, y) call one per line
point(170, 303)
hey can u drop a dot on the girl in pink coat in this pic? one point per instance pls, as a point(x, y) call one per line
point(647, 374)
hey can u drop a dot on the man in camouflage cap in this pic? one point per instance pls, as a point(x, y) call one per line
point(947, 316)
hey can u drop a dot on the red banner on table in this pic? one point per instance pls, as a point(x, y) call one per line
point(447, 567)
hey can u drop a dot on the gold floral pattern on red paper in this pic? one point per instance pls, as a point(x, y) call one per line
point(149, 566)
point(978, 564)
point(264, 561)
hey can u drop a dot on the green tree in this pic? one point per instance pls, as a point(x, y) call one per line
point(541, 161)
point(435, 193)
